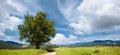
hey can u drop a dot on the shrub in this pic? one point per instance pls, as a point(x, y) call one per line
point(49, 47)
point(96, 51)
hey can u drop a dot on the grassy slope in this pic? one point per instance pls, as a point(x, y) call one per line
point(22, 52)
point(89, 51)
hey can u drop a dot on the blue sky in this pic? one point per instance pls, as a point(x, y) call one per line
point(75, 20)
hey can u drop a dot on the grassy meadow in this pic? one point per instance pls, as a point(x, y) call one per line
point(88, 51)
point(67, 51)
point(22, 52)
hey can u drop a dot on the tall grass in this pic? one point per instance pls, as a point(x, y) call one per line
point(89, 51)
point(22, 52)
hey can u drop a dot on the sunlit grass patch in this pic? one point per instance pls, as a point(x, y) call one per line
point(89, 51)
point(22, 52)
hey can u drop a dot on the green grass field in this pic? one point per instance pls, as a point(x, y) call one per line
point(22, 52)
point(88, 51)
point(67, 51)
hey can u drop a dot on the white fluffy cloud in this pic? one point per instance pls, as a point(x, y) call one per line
point(62, 39)
point(7, 7)
point(92, 15)
point(11, 23)
point(81, 28)
point(100, 14)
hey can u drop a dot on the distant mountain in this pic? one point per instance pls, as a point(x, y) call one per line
point(9, 45)
point(13, 43)
point(96, 43)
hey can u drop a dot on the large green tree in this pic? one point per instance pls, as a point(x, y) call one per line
point(37, 29)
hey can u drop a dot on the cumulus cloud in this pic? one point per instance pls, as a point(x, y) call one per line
point(100, 15)
point(10, 23)
point(7, 7)
point(62, 39)
point(81, 28)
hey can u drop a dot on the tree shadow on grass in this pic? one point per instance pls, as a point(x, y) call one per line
point(51, 50)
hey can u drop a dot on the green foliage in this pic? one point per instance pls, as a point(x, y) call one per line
point(22, 52)
point(37, 29)
point(88, 51)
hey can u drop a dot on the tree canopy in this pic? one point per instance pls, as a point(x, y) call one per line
point(37, 29)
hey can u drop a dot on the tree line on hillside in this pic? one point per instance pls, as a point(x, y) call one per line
point(5, 45)
point(96, 43)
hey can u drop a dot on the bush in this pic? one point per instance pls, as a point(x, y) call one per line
point(96, 51)
point(49, 47)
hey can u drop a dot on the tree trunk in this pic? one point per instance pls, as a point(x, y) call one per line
point(37, 46)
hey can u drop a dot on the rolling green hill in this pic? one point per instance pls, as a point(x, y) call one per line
point(10, 45)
